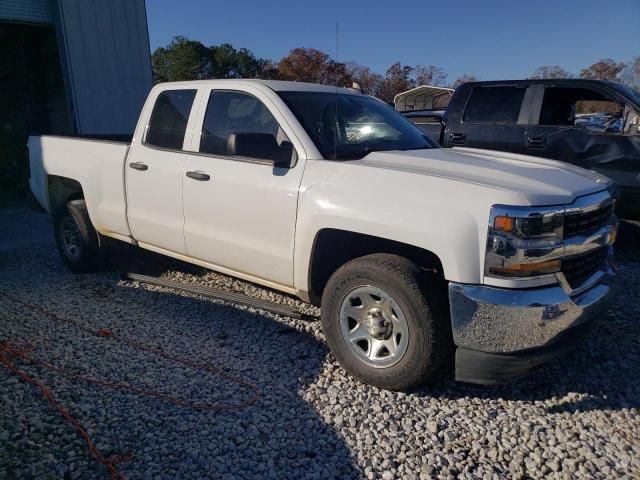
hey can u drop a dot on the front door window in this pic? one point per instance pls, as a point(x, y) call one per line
point(581, 107)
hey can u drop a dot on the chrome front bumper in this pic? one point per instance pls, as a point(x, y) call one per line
point(506, 326)
point(506, 321)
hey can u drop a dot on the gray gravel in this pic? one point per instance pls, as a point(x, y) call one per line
point(576, 418)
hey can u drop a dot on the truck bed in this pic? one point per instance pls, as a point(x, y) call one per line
point(97, 165)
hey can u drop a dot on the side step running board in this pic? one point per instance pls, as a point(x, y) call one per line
point(230, 297)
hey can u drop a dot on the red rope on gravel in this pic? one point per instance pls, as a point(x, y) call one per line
point(23, 350)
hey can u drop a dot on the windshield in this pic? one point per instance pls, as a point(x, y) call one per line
point(346, 126)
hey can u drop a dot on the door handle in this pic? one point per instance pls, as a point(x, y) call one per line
point(457, 138)
point(536, 142)
point(201, 176)
point(139, 166)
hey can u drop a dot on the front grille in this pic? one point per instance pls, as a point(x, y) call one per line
point(587, 222)
point(578, 268)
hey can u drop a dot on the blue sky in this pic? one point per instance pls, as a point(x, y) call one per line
point(490, 38)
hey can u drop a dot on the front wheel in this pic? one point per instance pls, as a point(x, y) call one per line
point(78, 242)
point(384, 321)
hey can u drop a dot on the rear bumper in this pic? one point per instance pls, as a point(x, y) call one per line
point(500, 334)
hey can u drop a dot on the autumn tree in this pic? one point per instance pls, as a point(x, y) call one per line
point(464, 78)
point(605, 69)
point(429, 75)
point(313, 66)
point(304, 65)
point(368, 81)
point(338, 75)
point(400, 78)
point(397, 78)
point(549, 72)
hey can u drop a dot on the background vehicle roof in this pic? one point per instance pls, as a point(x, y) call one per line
point(554, 81)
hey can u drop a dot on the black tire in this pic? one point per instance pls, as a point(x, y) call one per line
point(422, 298)
point(88, 256)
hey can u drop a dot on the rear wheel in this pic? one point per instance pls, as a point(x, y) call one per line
point(78, 242)
point(384, 321)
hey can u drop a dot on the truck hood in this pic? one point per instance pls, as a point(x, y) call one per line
point(539, 181)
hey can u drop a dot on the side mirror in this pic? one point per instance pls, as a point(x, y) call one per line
point(263, 146)
point(289, 155)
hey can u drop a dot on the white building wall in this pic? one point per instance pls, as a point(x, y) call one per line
point(108, 62)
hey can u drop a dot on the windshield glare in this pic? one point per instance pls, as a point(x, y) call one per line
point(345, 126)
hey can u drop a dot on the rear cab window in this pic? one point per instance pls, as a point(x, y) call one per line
point(169, 118)
point(498, 104)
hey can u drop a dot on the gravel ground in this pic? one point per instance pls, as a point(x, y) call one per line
point(576, 418)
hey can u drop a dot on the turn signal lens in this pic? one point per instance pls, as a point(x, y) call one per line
point(503, 223)
point(527, 269)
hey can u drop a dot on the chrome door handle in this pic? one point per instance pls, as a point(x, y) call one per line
point(201, 176)
point(139, 166)
point(536, 142)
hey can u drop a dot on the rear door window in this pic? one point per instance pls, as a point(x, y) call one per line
point(169, 119)
point(494, 104)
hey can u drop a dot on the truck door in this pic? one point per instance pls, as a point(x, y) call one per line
point(590, 127)
point(239, 207)
point(154, 173)
point(491, 119)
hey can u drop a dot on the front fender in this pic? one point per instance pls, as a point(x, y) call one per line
point(449, 218)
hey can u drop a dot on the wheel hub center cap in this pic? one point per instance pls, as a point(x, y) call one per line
point(377, 324)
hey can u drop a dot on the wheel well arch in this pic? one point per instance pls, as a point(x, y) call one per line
point(332, 248)
point(61, 190)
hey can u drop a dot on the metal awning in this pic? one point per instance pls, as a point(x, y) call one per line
point(424, 97)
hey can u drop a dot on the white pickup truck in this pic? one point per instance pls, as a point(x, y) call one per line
point(413, 252)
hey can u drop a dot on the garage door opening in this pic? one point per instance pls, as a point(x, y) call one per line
point(32, 96)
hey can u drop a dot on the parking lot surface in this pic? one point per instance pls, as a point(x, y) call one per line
point(241, 393)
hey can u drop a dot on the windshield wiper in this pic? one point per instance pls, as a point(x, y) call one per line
point(424, 147)
point(350, 155)
point(358, 154)
point(353, 155)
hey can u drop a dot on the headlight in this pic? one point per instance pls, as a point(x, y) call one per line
point(524, 242)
